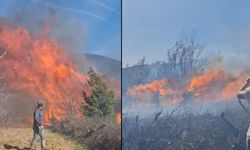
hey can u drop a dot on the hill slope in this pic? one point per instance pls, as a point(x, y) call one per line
point(102, 64)
point(108, 67)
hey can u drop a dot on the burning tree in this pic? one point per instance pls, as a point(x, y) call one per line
point(102, 100)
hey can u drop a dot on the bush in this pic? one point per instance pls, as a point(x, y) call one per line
point(102, 100)
point(98, 130)
point(97, 133)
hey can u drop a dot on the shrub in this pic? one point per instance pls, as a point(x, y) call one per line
point(102, 100)
point(96, 132)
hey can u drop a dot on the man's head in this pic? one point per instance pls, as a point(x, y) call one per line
point(40, 103)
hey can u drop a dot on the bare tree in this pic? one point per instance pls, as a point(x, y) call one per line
point(184, 55)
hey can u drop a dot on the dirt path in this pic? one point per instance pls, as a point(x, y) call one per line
point(19, 139)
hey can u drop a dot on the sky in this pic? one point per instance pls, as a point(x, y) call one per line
point(150, 27)
point(93, 26)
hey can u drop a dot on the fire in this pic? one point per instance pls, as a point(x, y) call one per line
point(232, 87)
point(118, 118)
point(214, 85)
point(203, 83)
point(39, 66)
point(153, 87)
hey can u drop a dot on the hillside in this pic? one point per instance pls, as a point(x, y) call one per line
point(102, 64)
point(105, 66)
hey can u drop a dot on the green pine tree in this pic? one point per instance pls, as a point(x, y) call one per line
point(102, 100)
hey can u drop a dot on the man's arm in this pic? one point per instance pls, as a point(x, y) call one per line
point(245, 85)
point(242, 92)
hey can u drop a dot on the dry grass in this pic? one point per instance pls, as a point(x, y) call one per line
point(97, 133)
point(21, 137)
point(187, 131)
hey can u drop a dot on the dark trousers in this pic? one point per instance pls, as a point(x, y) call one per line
point(38, 132)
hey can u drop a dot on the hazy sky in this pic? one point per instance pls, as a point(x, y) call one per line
point(98, 20)
point(150, 27)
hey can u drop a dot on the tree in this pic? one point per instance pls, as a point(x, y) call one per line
point(102, 100)
point(184, 55)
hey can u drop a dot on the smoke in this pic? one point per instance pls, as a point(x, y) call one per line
point(35, 16)
point(39, 64)
point(217, 81)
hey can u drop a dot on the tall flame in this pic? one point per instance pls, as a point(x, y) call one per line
point(214, 85)
point(38, 65)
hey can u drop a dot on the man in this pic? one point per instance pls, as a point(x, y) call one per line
point(38, 126)
point(245, 94)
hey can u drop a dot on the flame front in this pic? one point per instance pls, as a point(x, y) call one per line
point(39, 66)
point(202, 83)
point(160, 86)
point(214, 85)
point(118, 118)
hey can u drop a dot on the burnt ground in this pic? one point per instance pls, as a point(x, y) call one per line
point(186, 131)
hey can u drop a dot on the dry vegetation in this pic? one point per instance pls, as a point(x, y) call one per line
point(3, 114)
point(97, 133)
point(186, 131)
point(20, 138)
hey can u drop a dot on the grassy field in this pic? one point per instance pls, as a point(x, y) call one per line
point(20, 138)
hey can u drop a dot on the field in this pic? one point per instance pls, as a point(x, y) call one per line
point(20, 138)
point(186, 130)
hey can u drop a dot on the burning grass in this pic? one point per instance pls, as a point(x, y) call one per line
point(216, 85)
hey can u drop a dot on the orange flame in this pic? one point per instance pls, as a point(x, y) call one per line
point(155, 86)
point(203, 83)
point(118, 118)
point(206, 80)
point(211, 86)
point(39, 66)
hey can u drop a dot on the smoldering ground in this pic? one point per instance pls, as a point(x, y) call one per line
point(220, 125)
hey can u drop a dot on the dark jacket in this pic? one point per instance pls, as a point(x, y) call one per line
point(38, 117)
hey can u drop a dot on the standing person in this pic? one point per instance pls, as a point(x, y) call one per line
point(38, 126)
point(245, 94)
